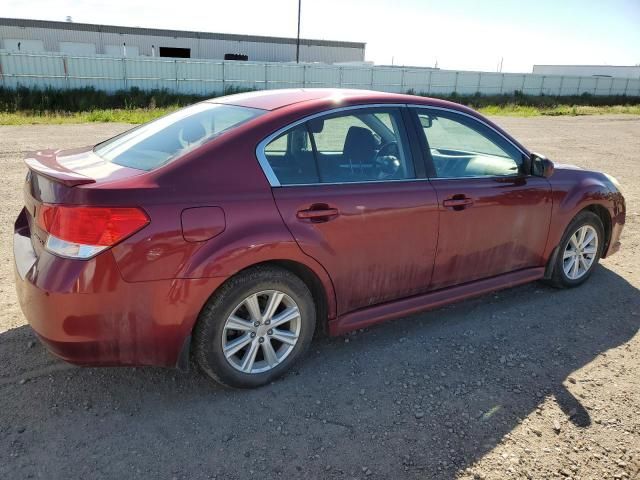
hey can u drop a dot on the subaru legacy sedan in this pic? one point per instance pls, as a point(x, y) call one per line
point(230, 232)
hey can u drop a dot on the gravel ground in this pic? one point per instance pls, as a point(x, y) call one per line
point(526, 383)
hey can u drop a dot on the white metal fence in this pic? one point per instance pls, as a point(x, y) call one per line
point(206, 77)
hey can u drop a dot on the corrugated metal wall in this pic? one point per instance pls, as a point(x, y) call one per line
point(206, 77)
point(615, 71)
point(201, 48)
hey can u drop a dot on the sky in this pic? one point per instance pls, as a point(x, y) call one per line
point(457, 34)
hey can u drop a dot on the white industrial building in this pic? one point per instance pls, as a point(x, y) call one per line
point(83, 39)
point(612, 71)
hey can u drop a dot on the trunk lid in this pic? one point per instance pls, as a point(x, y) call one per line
point(55, 177)
point(75, 167)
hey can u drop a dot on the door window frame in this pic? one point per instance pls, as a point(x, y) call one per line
point(426, 151)
point(407, 135)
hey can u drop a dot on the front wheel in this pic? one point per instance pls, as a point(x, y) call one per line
point(579, 251)
point(255, 328)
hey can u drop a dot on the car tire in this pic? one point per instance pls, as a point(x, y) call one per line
point(560, 278)
point(214, 338)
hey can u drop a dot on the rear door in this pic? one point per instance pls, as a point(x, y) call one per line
point(494, 218)
point(347, 188)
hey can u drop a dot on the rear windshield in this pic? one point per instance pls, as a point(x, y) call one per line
point(155, 143)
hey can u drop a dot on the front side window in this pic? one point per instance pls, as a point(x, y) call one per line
point(463, 147)
point(158, 142)
point(365, 145)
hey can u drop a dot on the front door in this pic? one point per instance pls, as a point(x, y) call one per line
point(349, 195)
point(494, 218)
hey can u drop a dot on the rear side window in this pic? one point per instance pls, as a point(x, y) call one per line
point(158, 142)
point(291, 157)
point(367, 145)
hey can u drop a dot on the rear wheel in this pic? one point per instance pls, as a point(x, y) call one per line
point(255, 328)
point(579, 251)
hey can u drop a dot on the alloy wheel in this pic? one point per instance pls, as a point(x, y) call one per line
point(580, 252)
point(261, 331)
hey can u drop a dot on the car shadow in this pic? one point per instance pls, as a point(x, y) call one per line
point(422, 397)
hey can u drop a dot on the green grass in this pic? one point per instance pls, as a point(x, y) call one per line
point(129, 115)
point(557, 110)
point(25, 106)
point(142, 115)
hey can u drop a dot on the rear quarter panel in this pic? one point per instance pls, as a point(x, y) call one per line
point(226, 175)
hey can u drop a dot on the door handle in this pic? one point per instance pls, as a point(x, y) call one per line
point(457, 203)
point(318, 213)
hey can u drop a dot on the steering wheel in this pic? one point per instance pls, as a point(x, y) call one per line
point(387, 163)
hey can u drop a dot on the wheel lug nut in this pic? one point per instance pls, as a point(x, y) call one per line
point(261, 340)
point(267, 322)
point(256, 324)
point(270, 332)
point(253, 334)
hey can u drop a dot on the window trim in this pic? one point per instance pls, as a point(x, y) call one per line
point(425, 156)
point(273, 179)
point(431, 172)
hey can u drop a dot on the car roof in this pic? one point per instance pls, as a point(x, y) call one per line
point(285, 107)
point(275, 99)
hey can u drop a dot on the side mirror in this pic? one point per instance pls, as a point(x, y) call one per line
point(541, 166)
point(426, 121)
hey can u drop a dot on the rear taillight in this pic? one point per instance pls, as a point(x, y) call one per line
point(82, 232)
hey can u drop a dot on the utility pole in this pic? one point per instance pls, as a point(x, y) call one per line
point(298, 37)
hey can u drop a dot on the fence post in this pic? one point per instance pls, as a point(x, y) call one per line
point(611, 86)
point(595, 89)
point(455, 86)
point(223, 73)
point(479, 81)
point(402, 85)
point(124, 72)
point(626, 87)
point(371, 81)
point(65, 67)
point(340, 78)
point(524, 80)
point(579, 83)
point(429, 82)
point(501, 84)
point(175, 63)
point(542, 85)
point(304, 76)
point(266, 76)
point(2, 73)
point(561, 83)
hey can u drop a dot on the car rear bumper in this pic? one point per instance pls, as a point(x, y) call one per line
point(85, 313)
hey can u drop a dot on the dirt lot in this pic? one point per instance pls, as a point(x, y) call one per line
point(527, 383)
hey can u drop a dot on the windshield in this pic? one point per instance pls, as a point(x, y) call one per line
point(155, 143)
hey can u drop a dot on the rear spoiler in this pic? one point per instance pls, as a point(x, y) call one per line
point(46, 164)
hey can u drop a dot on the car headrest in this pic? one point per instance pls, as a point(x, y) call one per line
point(360, 144)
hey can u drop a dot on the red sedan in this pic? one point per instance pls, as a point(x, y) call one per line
point(230, 231)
